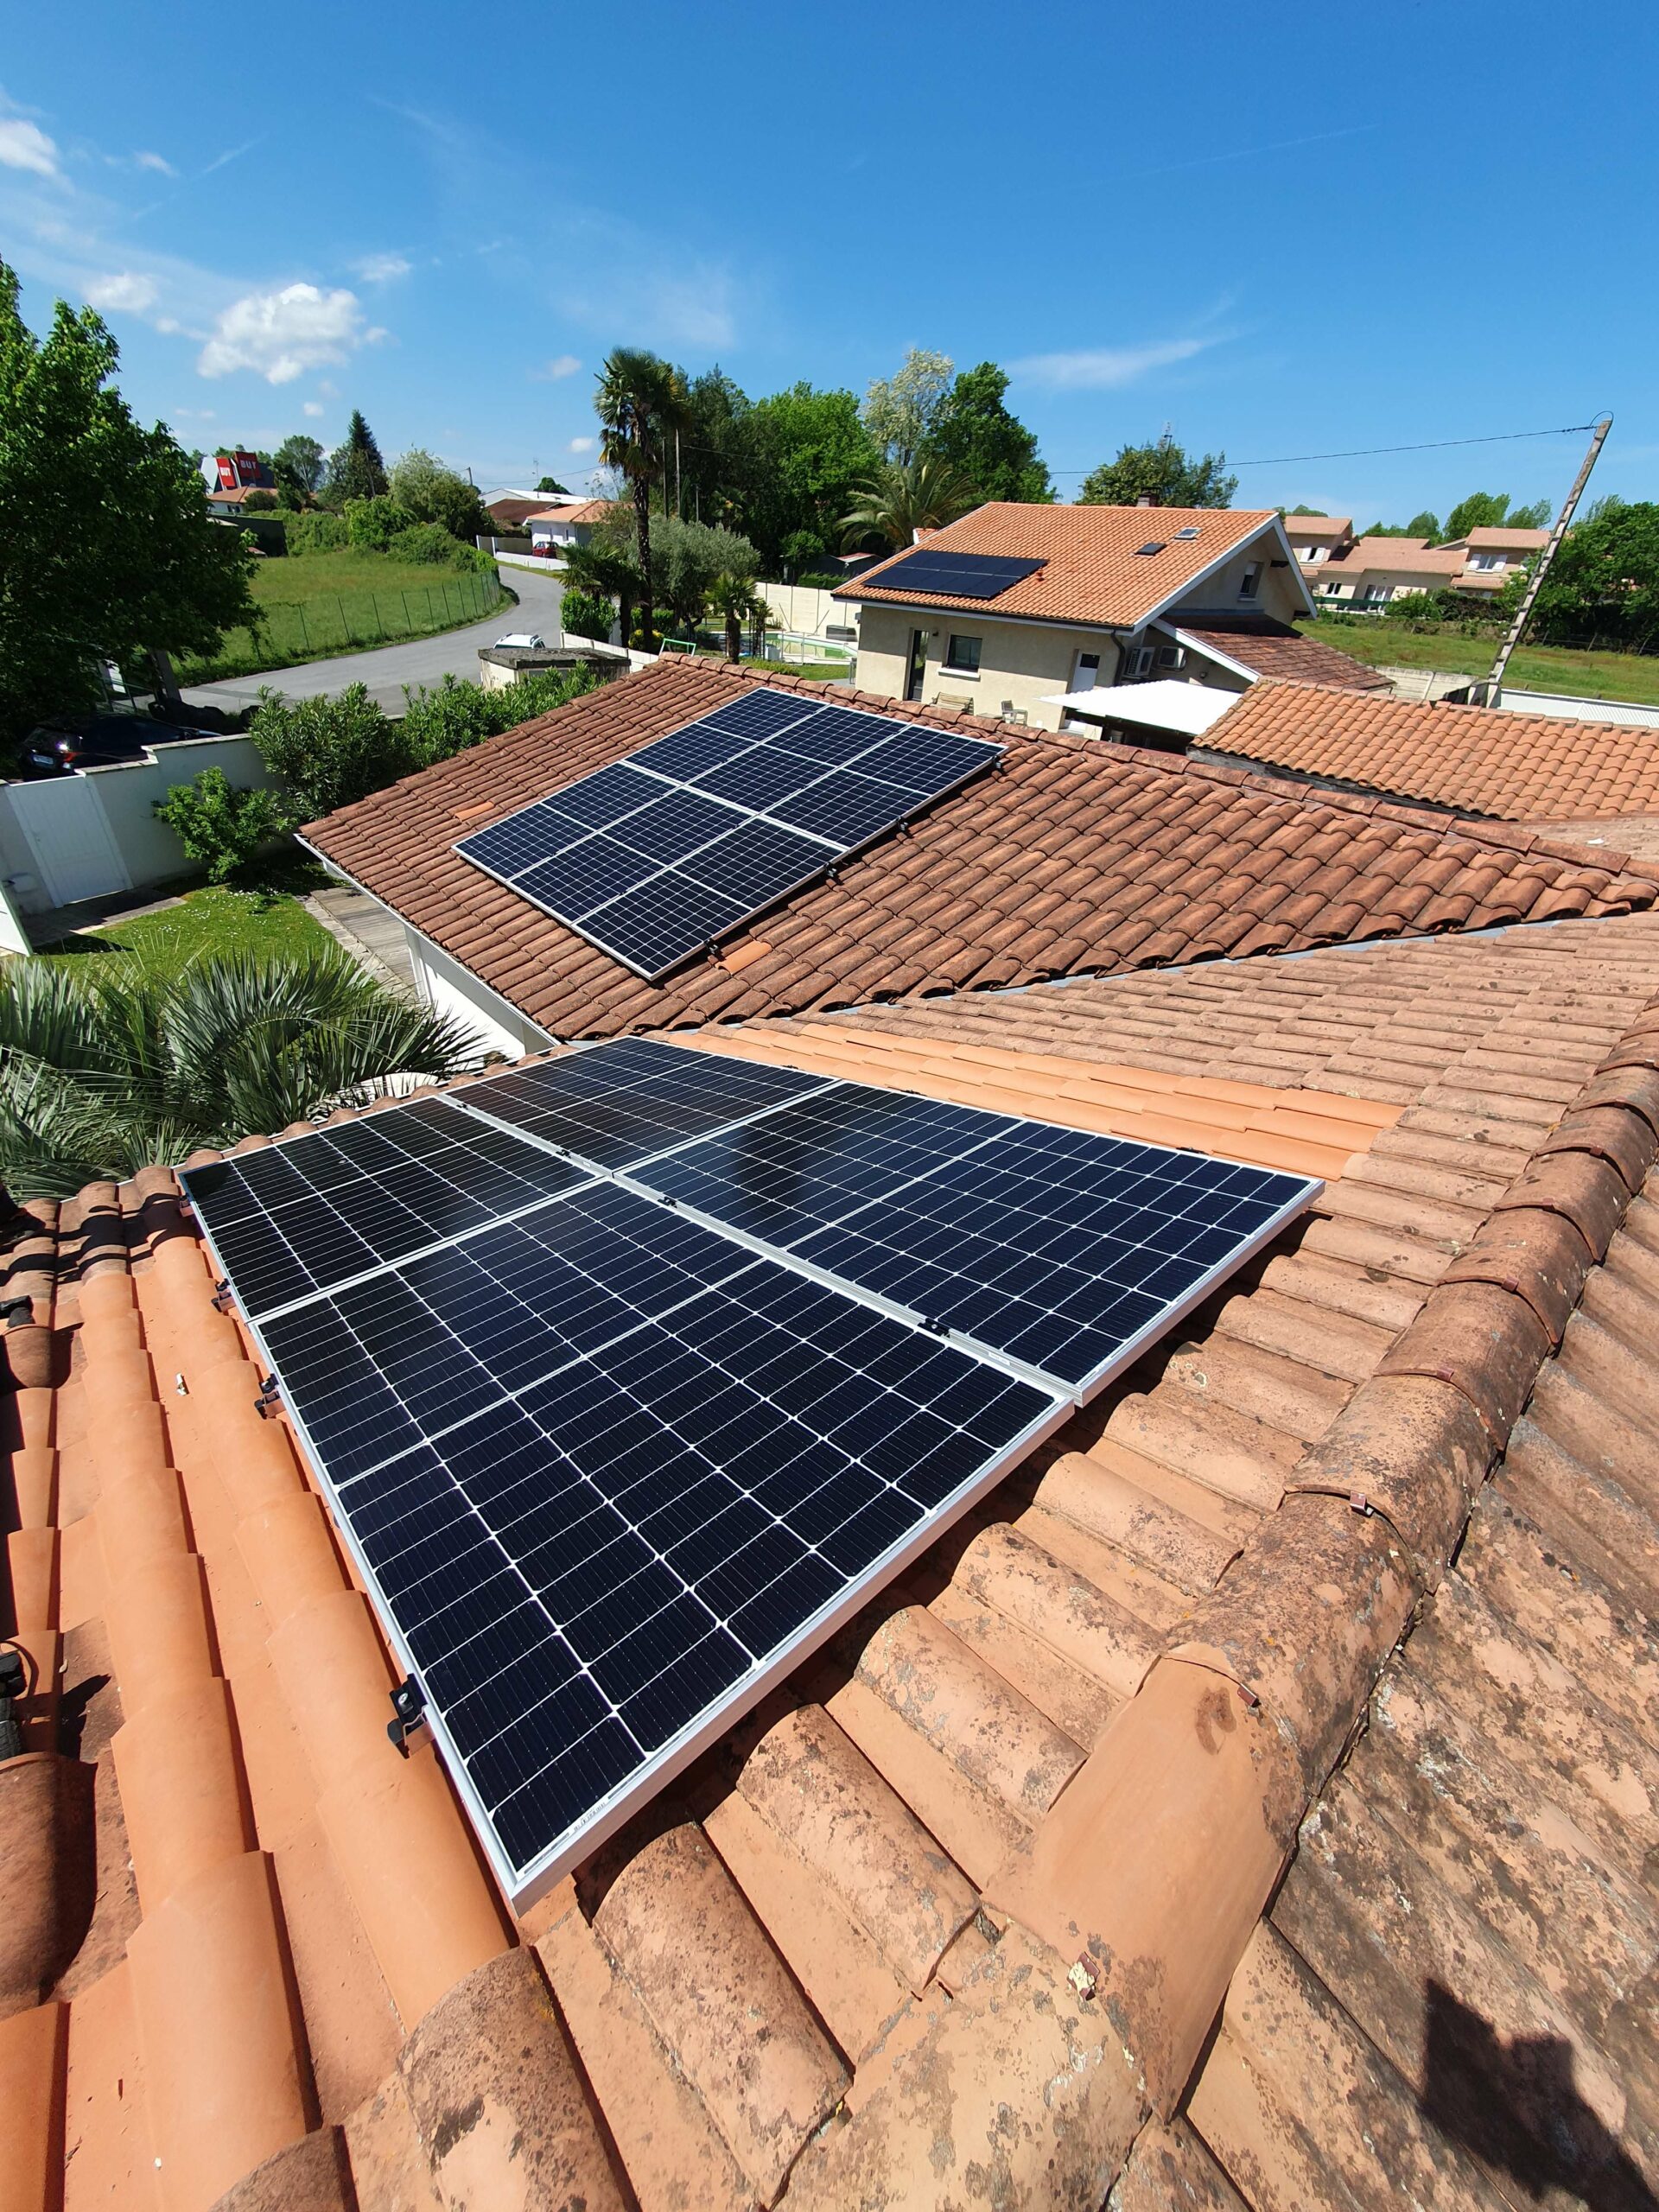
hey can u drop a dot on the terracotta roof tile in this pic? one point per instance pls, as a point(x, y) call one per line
point(1276, 653)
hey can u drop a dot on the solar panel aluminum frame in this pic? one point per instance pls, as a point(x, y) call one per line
point(525, 1885)
point(834, 852)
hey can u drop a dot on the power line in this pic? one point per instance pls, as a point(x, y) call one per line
point(1361, 453)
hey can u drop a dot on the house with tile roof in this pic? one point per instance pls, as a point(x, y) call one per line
point(1557, 777)
point(1108, 595)
point(1072, 859)
point(570, 523)
point(1252, 1803)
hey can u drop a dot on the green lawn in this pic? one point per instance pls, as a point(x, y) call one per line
point(315, 604)
point(206, 921)
point(1533, 667)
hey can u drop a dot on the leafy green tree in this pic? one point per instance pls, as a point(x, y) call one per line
point(719, 456)
point(903, 498)
point(585, 614)
point(107, 1066)
point(1535, 516)
point(330, 752)
point(602, 570)
point(1492, 511)
point(224, 829)
point(432, 492)
point(106, 549)
point(1318, 512)
point(1166, 472)
point(974, 433)
point(1425, 525)
point(373, 523)
point(734, 600)
point(686, 558)
point(1604, 579)
point(552, 484)
point(356, 470)
point(800, 549)
point(811, 454)
point(901, 412)
point(638, 402)
point(297, 465)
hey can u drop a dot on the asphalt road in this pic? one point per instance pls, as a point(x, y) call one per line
point(389, 668)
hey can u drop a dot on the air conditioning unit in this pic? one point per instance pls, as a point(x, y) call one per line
point(1137, 662)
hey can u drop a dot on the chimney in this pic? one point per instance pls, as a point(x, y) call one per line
point(1147, 500)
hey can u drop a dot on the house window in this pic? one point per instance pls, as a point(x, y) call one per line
point(1249, 582)
point(1486, 560)
point(1169, 656)
point(962, 655)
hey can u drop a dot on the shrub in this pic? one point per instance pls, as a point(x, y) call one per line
point(260, 502)
point(584, 614)
point(330, 752)
point(430, 541)
point(317, 532)
point(459, 714)
point(1413, 607)
point(820, 579)
point(224, 829)
point(373, 523)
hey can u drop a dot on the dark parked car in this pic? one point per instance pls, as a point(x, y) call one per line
point(58, 748)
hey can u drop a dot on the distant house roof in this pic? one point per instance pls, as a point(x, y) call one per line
point(515, 507)
point(1071, 859)
point(1393, 556)
point(574, 511)
point(238, 494)
point(1477, 759)
point(1272, 650)
point(1502, 540)
point(1094, 570)
point(1319, 526)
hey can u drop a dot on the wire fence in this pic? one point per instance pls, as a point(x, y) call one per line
point(339, 622)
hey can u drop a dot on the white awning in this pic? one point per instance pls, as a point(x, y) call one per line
point(1191, 709)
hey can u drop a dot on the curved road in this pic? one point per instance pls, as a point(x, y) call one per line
point(387, 669)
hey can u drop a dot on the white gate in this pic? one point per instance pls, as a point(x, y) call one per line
point(63, 820)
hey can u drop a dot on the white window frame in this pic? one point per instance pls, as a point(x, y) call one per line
point(1250, 584)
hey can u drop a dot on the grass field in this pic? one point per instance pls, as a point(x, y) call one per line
point(206, 921)
point(319, 604)
point(1634, 676)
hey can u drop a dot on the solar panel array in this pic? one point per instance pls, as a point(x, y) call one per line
point(956, 575)
point(630, 1373)
point(658, 855)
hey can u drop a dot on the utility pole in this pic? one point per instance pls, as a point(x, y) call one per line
point(1493, 685)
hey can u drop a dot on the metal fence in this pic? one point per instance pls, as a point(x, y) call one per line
point(341, 622)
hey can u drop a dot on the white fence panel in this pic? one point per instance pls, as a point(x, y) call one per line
point(73, 847)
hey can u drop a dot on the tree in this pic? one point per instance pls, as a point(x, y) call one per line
point(901, 412)
point(903, 498)
point(552, 484)
point(459, 714)
point(1536, 517)
point(974, 433)
point(1492, 511)
point(330, 752)
point(602, 570)
point(355, 468)
point(585, 614)
point(1318, 512)
point(107, 1066)
point(106, 549)
point(735, 600)
point(718, 472)
point(433, 492)
point(686, 557)
point(297, 465)
point(1166, 472)
point(1425, 525)
point(1605, 578)
point(637, 401)
point(810, 453)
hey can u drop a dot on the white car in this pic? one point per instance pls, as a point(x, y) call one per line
point(528, 640)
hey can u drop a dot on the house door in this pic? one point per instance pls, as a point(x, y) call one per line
point(916, 674)
point(1086, 673)
point(63, 823)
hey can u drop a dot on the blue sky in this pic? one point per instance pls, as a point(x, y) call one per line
point(1282, 233)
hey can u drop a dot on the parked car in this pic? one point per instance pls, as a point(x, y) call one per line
point(74, 741)
point(526, 640)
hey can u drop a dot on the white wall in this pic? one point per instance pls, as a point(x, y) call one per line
point(122, 799)
point(811, 613)
point(448, 987)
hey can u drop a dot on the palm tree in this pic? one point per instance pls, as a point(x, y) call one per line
point(906, 497)
point(599, 569)
point(736, 602)
point(107, 1066)
point(638, 403)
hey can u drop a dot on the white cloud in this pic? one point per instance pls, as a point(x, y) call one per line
point(156, 162)
point(26, 146)
point(1107, 368)
point(126, 294)
point(279, 335)
point(581, 445)
point(561, 364)
point(313, 407)
point(381, 267)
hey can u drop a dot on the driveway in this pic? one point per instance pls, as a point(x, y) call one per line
point(389, 668)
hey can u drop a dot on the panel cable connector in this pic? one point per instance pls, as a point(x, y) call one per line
point(408, 1712)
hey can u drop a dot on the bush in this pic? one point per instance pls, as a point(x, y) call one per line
point(584, 614)
point(260, 502)
point(459, 714)
point(330, 752)
point(317, 532)
point(430, 541)
point(224, 829)
point(373, 523)
point(822, 579)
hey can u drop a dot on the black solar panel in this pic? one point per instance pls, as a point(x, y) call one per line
point(632, 1372)
point(955, 576)
point(657, 856)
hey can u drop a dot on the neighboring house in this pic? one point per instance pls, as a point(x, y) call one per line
point(1490, 556)
point(1560, 775)
point(1371, 570)
point(510, 509)
point(230, 477)
point(1315, 539)
point(1251, 1805)
point(569, 524)
point(1087, 842)
point(1095, 596)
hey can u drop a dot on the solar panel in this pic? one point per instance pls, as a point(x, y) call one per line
point(657, 856)
point(632, 1373)
point(956, 575)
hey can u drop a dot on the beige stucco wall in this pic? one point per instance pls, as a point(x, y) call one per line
point(1019, 664)
point(1279, 595)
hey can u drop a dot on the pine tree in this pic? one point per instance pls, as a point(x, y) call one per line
point(356, 470)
